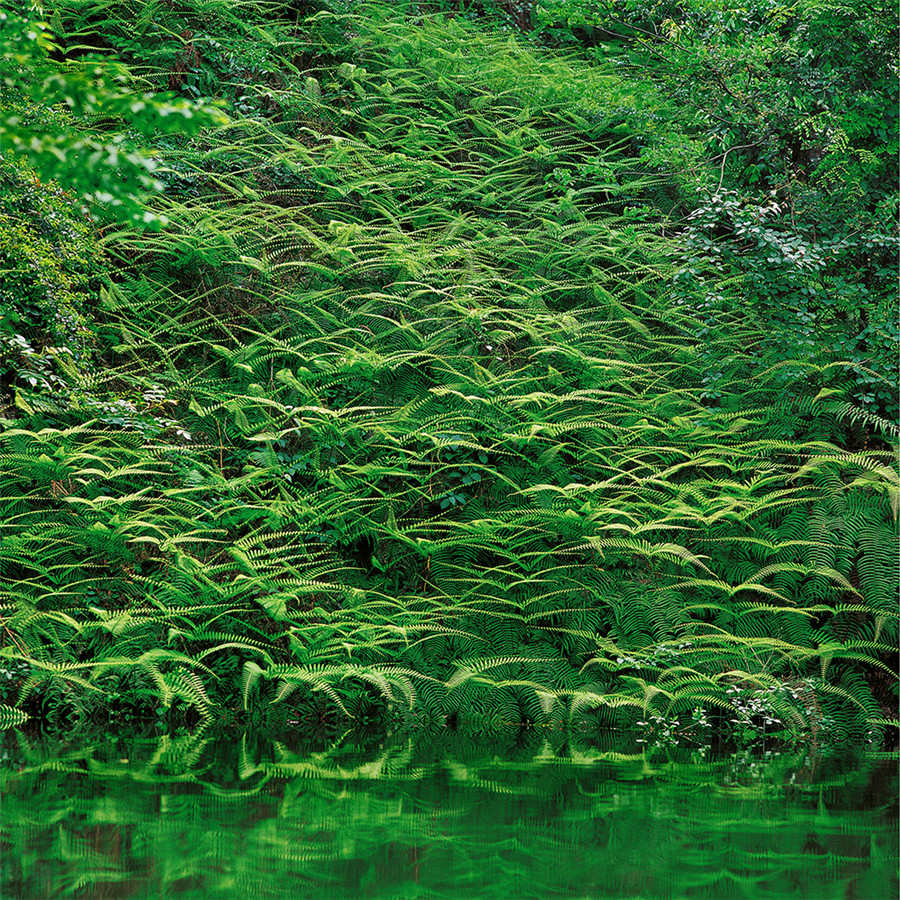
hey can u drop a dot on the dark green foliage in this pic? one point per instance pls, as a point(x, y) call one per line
point(795, 106)
point(51, 276)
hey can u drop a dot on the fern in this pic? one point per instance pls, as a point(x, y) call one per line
point(403, 408)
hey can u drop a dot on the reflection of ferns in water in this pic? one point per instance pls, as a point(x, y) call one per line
point(442, 820)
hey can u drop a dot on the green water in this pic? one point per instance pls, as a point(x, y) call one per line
point(206, 818)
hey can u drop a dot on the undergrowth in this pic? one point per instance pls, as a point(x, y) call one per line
point(409, 410)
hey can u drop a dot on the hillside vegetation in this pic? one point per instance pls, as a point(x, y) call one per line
point(484, 364)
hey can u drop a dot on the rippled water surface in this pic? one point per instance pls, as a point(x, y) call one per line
point(199, 818)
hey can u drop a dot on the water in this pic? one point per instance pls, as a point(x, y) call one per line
point(198, 817)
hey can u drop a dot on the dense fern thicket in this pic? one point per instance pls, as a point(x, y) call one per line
point(434, 392)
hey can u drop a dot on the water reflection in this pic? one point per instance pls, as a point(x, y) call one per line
point(201, 817)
